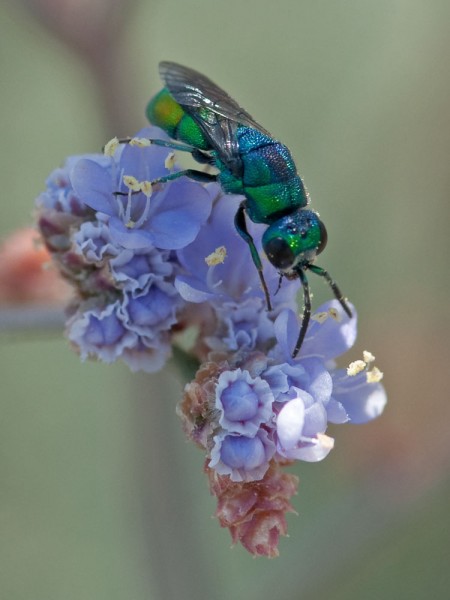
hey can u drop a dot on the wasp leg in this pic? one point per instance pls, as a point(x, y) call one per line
point(191, 173)
point(336, 291)
point(241, 227)
point(163, 143)
point(306, 312)
point(198, 155)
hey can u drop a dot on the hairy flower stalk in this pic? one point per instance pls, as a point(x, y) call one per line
point(148, 260)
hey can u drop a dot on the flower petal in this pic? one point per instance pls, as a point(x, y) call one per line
point(188, 292)
point(290, 422)
point(93, 185)
point(362, 401)
point(324, 339)
point(334, 336)
point(131, 239)
point(176, 222)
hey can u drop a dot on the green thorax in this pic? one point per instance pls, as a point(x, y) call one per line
point(268, 179)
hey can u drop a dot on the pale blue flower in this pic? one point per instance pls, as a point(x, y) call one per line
point(168, 217)
point(244, 402)
point(241, 457)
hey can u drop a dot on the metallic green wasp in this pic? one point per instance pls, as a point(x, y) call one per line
point(206, 122)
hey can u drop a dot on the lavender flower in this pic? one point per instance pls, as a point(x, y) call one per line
point(301, 424)
point(241, 457)
point(244, 402)
point(60, 195)
point(93, 242)
point(361, 399)
point(147, 260)
point(150, 311)
point(118, 251)
point(230, 286)
point(134, 269)
point(100, 333)
point(303, 395)
point(168, 217)
point(233, 279)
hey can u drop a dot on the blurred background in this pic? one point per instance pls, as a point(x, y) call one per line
point(100, 495)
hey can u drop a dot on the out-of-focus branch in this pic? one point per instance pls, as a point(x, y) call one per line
point(94, 30)
point(31, 319)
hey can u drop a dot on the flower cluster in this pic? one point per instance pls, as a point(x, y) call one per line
point(148, 260)
point(254, 412)
point(115, 240)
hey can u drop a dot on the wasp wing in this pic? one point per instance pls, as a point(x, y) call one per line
point(213, 109)
point(190, 88)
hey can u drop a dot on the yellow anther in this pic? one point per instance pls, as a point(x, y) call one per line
point(374, 376)
point(111, 147)
point(356, 367)
point(140, 142)
point(169, 163)
point(320, 317)
point(334, 314)
point(325, 441)
point(368, 356)
point(146, 188)
point(132, 183)
point(217, 257)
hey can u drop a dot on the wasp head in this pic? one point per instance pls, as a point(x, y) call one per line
point(294, 240)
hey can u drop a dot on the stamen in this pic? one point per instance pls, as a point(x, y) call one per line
point(131, 183)
point(128, 219)
point(334, 314)
point(134, 186)
point(217, 257)
point(210, 282)
point(368, 356)
point(169, 163)
point(356, 367)
point(111, 147)
point(119, 201)
point(326, 441)
point(144, 215)
point(320, 317)
point(140, 142)
point(146, 188)
point(374, 376)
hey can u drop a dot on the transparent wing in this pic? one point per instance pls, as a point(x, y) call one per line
point(190, 88)
point(213, 109)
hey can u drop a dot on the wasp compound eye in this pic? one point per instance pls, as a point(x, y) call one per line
point(279, 253)
point(323, 237)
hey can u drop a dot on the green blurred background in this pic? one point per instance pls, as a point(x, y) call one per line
point(101, 498)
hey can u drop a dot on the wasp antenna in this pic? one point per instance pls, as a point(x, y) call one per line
point(336, 291)
point(280, 280)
